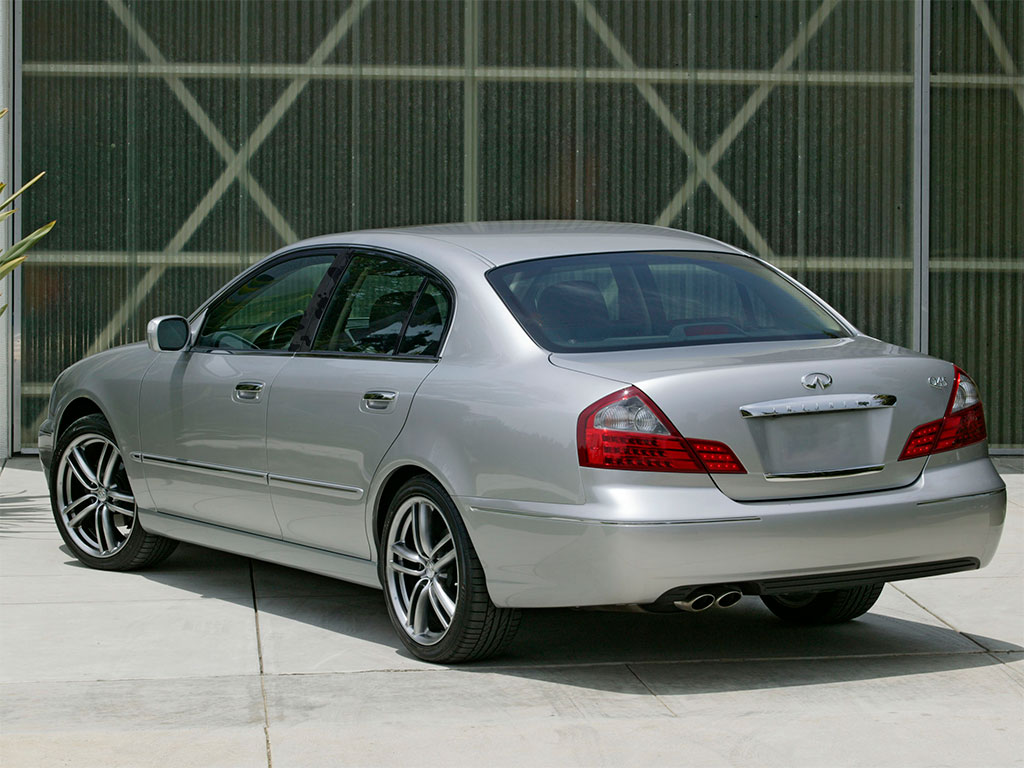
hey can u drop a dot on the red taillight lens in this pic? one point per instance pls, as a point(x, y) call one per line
point(717, 457)
point(627, 431)
point(963, 424)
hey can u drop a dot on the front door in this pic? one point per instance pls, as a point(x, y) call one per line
point(203, 411)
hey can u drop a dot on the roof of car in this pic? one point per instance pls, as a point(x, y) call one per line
point(505, 242)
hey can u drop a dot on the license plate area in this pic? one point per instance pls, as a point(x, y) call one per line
point(822, 443)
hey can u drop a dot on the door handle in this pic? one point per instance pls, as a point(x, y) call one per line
point(248, 391)
point(379, 400)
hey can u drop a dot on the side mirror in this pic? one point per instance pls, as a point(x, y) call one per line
point(169, 333)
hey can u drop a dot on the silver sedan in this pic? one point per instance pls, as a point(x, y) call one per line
point(479, 418)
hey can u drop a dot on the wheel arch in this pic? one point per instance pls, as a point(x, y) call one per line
point(392, 481)
point(78, 407)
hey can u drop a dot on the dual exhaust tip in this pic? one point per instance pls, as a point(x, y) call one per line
point(702, 598)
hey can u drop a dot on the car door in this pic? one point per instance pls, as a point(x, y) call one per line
point(339, 404)
point(203, 411)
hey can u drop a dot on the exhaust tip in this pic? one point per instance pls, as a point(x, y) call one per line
point(700, 602)
point(728, 598)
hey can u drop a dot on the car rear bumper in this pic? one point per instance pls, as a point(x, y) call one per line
point(606, 552)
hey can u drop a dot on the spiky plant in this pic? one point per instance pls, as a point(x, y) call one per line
point(17, 253)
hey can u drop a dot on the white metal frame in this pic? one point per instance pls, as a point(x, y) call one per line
point(471, 74)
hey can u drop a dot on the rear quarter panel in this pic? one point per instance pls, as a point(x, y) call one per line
point(495, 419)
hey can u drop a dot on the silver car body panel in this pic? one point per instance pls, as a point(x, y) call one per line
point(545, 556)
point(494, 419)
point(191, 415)
point(321, 430)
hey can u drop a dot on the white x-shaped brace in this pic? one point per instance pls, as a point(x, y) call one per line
point(236, 163)
point(703, 164)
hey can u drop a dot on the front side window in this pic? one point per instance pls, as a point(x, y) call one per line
point(384, 306)
point(615, 301)
point(265, 311)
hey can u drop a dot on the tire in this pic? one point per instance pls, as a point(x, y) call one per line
point(831, 607)
point(93, 502)
point(433, 582)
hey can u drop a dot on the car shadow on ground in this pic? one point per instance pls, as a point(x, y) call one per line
point(314, 624)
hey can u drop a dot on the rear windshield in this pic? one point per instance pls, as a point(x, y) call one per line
point(612, 301)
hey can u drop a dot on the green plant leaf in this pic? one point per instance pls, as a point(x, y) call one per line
point(11, 265)
point(17, 251)
point(5, 214)
point(25, 186)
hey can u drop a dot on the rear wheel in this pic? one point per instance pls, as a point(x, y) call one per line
point(831, 607)
point(93, 502)
point(433, 581)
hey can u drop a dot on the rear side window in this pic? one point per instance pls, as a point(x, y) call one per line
point(614, 301)
point(384, 306)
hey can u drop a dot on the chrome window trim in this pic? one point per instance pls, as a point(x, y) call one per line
point(355, 356)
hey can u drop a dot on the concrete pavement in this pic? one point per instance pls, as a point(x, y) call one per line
point(216, 660)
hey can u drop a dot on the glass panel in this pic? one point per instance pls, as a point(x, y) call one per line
point(265, 311)
point(423, 334)
point(646, 300)
point(369, 308)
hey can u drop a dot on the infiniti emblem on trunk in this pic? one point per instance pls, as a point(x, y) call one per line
point(817, 381)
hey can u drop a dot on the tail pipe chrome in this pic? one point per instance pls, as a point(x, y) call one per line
point(702, 598)
point(696, 601)
point(727, 596)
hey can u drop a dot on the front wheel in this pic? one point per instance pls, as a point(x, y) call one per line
point(831, 607)
point(93, 502)
point(433, 581)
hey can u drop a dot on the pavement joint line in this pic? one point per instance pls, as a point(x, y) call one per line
point(259, 653)
point(1004, 667)
point(650, 690)
point(933, 613)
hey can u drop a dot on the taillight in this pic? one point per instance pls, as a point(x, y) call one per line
point(627, 431)
point(963, 423)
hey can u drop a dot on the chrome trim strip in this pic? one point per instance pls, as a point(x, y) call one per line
point(621, 523)
point(305, 484)
point(203, 467)
point(793, 406)
point(827, 473)
point(958, 498)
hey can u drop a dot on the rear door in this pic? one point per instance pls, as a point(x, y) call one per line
point(341, 402)
point(203, 411)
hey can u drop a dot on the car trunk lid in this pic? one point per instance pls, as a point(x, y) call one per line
point(806, 418)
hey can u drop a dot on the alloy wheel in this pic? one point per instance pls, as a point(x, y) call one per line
point(422, 570)
point(95, 501)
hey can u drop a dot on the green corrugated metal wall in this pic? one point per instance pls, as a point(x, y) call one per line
point(184, 139)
